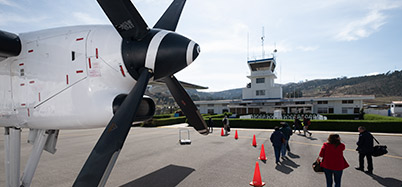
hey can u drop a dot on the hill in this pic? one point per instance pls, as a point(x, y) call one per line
point(386, 87)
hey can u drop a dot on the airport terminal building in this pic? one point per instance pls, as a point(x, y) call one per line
point(262, 95)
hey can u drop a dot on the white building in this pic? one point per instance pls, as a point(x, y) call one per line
point(396, 108)
point(262, 95)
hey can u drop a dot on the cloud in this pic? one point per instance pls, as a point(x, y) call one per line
point(85, 18)
point(307, 48)
point(6, 18)
point(371, 74)
point(367, 25)
point(8, 3)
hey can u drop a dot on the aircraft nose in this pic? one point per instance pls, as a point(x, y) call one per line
point(193, 50)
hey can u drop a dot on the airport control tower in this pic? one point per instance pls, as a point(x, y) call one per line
point(262, 86)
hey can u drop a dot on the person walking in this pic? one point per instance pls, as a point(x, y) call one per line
point(306, 124)
point(365, 148)
point(226, 126)
point(333, 161)
point(277, 140)
point(287, 132)
point(297, 124)
point(210, 125)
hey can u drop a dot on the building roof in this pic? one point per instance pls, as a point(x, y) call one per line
point(269, 100)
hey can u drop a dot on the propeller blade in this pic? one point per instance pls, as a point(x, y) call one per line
point(100, 162)
point(171, 17)
point(186, 104)
point(125, 18)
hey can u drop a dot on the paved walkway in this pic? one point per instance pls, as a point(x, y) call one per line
point(153, 157)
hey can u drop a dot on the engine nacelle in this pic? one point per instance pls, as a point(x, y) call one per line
point(145, 111)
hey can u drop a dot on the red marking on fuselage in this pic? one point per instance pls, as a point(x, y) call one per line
point(67, 79)
point(122, 71)
point(30, 51)
point(79, 39)
point(89, 63)
point(29, 114)
point(22, 84)
point(39, 96)
point(21, 64)
point(31, 82)
point(79, 71)
point(97, 55)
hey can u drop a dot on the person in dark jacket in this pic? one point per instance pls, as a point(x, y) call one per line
point(287, 132)
point(365, 148)
point(277, 140)
point(306, 124)
point(210, 125)
point(297, 124)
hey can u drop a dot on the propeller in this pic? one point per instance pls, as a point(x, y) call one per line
point(147, 53)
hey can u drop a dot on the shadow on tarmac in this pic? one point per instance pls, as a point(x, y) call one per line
point(292, 155)
point(286, 166)
point(388, 182)
point(308, 137)
point(168, 176)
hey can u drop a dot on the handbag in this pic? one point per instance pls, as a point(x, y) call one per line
point(379, 150)
point(317, 166)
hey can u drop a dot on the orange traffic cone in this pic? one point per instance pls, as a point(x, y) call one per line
point(236, 135)
point(254, 141)
point(262, 154)
point(257, 177)
point(222, 134)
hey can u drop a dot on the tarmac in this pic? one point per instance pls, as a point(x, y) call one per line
point(153, 157)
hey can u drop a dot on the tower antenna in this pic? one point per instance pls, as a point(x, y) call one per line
point(248, 46)
point(262, 42)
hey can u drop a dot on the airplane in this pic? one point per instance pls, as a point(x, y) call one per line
point(91, 76)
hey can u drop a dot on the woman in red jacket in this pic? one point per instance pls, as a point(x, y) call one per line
point(333, 161)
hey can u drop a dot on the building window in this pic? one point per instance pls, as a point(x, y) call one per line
point(198, 106)
point(330, 110)
point(300, 102)
point(260, 80)
point(322, 102)
point(356, 110)
point(224, 105)
point(344, 110)
point(278, 103)
point(225, 110)
point(347, 101)
point(260, 92)
point(210, 105)
point(211, 111)
point(322, 110)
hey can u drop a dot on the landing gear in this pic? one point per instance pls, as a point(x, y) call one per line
point(41, 139)
point(12, 141)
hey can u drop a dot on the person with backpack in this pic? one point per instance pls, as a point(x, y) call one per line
point(277, 140)
point(287, 132)
point(297, 125)
point(306, 124)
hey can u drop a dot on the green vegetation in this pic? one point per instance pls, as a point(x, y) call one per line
point(374, 123)
point(342, 116)
point(379, 117)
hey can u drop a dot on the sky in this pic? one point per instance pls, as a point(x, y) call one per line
point(315, 39)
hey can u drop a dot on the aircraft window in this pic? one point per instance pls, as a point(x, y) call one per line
point(72, 55)
point(22, 72)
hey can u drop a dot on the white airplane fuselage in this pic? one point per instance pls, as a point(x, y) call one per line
point(64, 78)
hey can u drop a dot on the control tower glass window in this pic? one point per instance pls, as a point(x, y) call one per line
point(260, 80)
point(260, 92)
